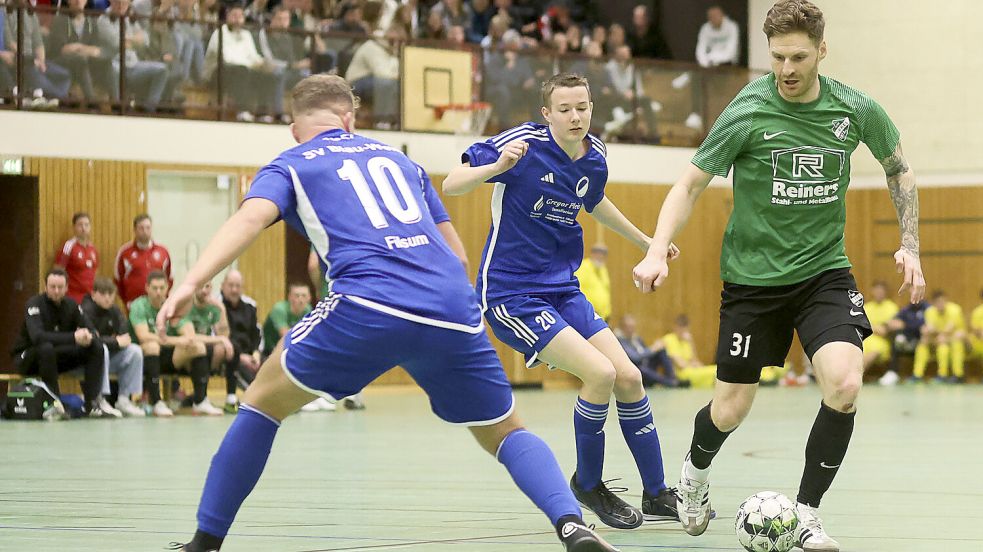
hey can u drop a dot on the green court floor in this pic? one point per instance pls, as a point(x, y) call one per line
point(393, 477)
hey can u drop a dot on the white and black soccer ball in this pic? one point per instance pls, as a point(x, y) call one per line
point(766, 522)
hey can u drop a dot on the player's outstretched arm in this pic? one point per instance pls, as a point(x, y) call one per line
point(229, 242)
point(464, 178)
point(904, 194)
point(608, 214)
point(654, 268)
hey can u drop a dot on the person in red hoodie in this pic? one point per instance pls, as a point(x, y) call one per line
point(79, 258)
point(137, 259)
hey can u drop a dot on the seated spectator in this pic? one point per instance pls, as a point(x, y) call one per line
point(457, 36)
point(207, 315)
point(628, 90)
point(145, 79)
point(188, 34)
point(435, 28)
point(603, 120)
point(79, 259)
point(615, 39)
point(493, 41)
point(56, 337)
point(944, 333)
point(481, 16)
point(284, 315)
point(453, 12)
point(255, 85)
point(284, 50)
point(177, 349)
point(680, 348)
point(243, 332)
point(165, 46)
point(595, 281)
point(72, 42)
point(877, 347)
point(645, 37)
point(124, 357)
point(137, 259)
point(575, 39)
point(599, 36)
point(907, 329)
point(7, 59)
point(648, 359)
point(374, 75)
point(509, 83)
point(47, 82)
point(976, 330)
point(258, 12)
point(719, 40)
point(350, 20)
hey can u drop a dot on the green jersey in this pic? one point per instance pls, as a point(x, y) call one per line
point(791, 172)
point(143, 312)
point(204, 318)
point(280, 317)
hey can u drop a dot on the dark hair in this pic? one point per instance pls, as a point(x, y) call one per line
point(56, 272)
point(156, 275)
point(140, 218)
point(323, 92)
point(80, 215)
point(277, 9)
point(879, 283)
point(104, 285)
point(790, 16)
point(293, 285)
point(682, 320)
point(563, 80)
point(937, 293)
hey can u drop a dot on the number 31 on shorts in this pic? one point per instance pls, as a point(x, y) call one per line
point(741, 345)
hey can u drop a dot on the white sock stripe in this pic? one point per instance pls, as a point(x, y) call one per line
point(260, 412)
point(631, 418)
point(508, 324)
point(588, 415)
point(520, 323)
point(631, 411)
point(591, 408)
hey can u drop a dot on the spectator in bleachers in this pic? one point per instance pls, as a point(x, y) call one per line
point(208, 316)
point(435, 28)
point(178, 349)
point(209, 11)
point(976, 331)
point(645, 37)
point(46, 81)
point(243, 331)
point(189, 35)
point(648, 359)
point(525, 16)
point(481, 15)
point(164, 46)
point(145, 79)
point(350, 20)
point(509, 82)
point(595, 281)
point(457, 36)
point(907, 329)
point(255, 85)
point(630, 95)
point(877, 347)
point(137, 259)
point(616, 39)
point(496, 32)
point(258, 12)
point(79, 259)
point(284, 50)
point(575, 39)
point(284, 314)
point(945, 333)
point(719, 40)
point(602, 92)
point(453, 12)
point(123, 357)
point(681, 349)
point(56, 337)
point(599, 36)
point(6, 59)
point(72, 43)
point(374, 75)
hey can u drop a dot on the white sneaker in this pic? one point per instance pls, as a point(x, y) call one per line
point(889, 378)
point(354, 402)
point(682, 81)
point(205, 408)
point(108, 409)
point(54, 412)
point(129, 409)
point(161, 410)
point(693, 503)
point(317, 404)
point(811, 535)
point(245, 117)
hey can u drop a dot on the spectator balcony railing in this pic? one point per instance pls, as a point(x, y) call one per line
point(170, 66)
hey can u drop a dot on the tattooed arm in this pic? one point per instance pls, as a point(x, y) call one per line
point(904, 194)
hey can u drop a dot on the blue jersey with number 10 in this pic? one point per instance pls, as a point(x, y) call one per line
point(371, 215)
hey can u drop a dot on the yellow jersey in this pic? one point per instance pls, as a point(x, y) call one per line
point(951, 317)
point(676, 347)
point(595, 283)
point(880, 313)
point(976, 318)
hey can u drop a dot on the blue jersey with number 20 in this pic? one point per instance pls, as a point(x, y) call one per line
point(371, 215)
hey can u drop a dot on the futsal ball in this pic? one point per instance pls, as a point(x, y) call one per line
point(766, 522)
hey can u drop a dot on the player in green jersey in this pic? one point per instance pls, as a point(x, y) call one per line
point(789, 136)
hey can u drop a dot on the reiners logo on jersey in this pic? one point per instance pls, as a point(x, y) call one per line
point(841, 128)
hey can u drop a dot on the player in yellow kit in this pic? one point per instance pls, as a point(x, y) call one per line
point(945, 332)
point(976, 330)
point(880, 310)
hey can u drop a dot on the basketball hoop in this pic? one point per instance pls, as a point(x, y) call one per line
point(465, 118)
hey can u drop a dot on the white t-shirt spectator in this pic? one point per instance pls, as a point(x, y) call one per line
point(718, 46)
point(238, 48)
point(373, 58)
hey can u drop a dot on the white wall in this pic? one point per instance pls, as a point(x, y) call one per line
point(921, 60)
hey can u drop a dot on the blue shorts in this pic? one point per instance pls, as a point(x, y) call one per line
point(341, 346)
point(527, 323)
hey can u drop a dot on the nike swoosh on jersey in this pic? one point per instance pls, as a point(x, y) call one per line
point(770, 136)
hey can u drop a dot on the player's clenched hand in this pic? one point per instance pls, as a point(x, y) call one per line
point(910, 265)
point(176, 306)
point(650, 273)
point(511, 155)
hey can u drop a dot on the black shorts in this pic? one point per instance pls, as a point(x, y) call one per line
point(757, 322)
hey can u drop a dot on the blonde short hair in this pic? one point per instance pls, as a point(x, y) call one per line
point(323, 92)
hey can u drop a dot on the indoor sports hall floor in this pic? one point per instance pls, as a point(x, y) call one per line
point(393, 477)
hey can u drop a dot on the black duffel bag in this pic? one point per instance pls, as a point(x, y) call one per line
point(28, 400)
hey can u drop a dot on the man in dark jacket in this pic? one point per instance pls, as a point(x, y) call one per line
point(124, 357)
point(57, 337)
point(646, 358)
point(244, 334)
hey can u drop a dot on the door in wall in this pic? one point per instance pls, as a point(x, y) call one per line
point(19, 275)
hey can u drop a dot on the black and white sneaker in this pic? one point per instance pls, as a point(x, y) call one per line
point(661, 507)
point(611, 510)
point(577, 537)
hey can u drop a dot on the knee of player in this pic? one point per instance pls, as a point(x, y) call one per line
point(845, 393)
point(728, 414)
point(602, 377)
point(628, 380)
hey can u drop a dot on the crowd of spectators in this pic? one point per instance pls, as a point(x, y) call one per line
point(77, 325)
point(172, 47)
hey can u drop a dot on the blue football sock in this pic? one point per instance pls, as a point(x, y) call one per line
point(235, 469)
point(643, 441)
point(588, 428)
point(534, 469)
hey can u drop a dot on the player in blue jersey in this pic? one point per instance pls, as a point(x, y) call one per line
point(543, 175)
point(399, 295)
